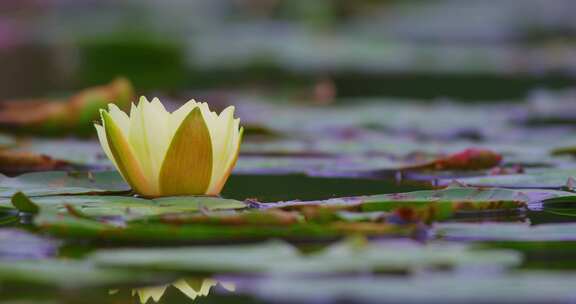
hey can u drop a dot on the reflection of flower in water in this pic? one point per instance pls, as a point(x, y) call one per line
point(192, 288)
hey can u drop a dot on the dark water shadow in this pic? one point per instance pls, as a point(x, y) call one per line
point(269, 188)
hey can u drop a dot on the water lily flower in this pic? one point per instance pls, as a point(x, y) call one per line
point(190, 151)
point(192, 288)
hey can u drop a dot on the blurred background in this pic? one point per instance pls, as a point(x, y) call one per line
point(338, 98)
point(315, 50)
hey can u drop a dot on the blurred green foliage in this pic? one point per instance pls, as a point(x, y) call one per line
point(151, 62)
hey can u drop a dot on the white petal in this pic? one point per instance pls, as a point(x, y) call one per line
point(125, 156)
point(190, 292)
point(146, 293)
point(120, 118)
point(225, 142)
point(178, 116)
point(139, 140)
point(104, 143)
point(159, 132)
point(222, 133)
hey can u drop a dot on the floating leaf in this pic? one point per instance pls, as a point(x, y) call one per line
point(19, 162)
point(24, 204)
point(263, 218)
point(86, 153)
point(510, 232)
point(74, 115)
point(74, 227)
point(66, 274)
point(56, 182)
point(439, 204)
point(281, 258)
point(128, 206)
point(517, 287)
point(543, 179)
point(469, 159)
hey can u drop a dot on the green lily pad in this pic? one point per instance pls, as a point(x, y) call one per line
point(562, 205)
point(56, 182)
point(561, 211)
point(79, 228)
point(549, 179)
point(66, 274)
point(519, 287)
point(281, 258)
point(509, 232)
point(443, 203)
point(76, 151)
point(127, 206)
point(461, 199)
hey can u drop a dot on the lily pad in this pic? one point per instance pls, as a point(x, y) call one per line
point(508, 232)
point(66, 274)
point(83, 152)
point(519, 287)
point(440, 204)
point(71, 227)
point(543, 179)
point(57, 182)
point(281, 258)
point(127, 206)
point(464, 199)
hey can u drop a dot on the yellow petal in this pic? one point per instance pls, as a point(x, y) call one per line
point(159, 133)
point(221, 133)
point(210, 117)
point(218, 184)
point(187, 166)
point(180, 114)
point(138, 138)
point(145, 293)
point(149, 136)
point(226, 142)
point(126, 161)
point(233, 144)
point(203, 290)
point(104, 142)
point(120, 118)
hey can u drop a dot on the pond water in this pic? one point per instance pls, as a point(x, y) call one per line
point(484, 256)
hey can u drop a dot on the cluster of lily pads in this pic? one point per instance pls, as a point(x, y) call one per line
point(442, 211)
